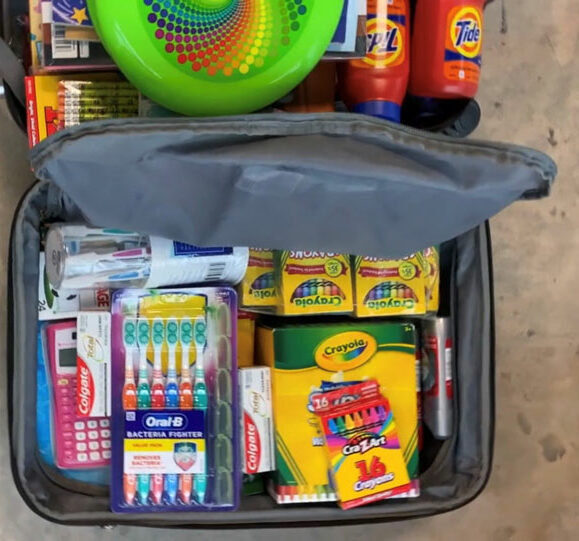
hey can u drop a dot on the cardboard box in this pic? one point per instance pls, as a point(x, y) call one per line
point(258, 286)
point(390, 287)
point(312, 282)
point(306, 358)
point(245, 338)
point(257, 424)
point(93, 368)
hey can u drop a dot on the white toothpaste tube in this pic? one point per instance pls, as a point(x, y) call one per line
point(258, 441)
point(93, 364)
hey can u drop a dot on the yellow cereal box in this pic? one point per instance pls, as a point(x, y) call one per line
point(258, 285)
point(308, 358)
point(313, 282)
point(389, 287)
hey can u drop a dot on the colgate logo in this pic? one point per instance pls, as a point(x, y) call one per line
point(85, 395)
point(252, 445)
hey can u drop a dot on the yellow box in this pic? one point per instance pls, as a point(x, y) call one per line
point(245, 339)
point(302, 357)
point(313, 283)
point(258, 285)
point(362, 444)
point(390, 287)
point(432, 278)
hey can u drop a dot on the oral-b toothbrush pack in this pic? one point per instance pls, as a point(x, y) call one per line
point(174, 400)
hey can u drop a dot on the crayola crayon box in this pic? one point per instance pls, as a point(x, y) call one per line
point(308, 358)
point(390, 287)
point(258, 286)
point(245, 338)
point(362, 444)
point(432, 278)
point(313, 283)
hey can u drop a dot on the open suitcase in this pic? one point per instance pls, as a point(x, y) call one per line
point(334, 182)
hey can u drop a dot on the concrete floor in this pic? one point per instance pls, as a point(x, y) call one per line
point(530, 95)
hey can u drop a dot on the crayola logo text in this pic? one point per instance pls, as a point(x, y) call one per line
point(391, 303)
point(318, 300)
point(263, 293)
point(345, 351)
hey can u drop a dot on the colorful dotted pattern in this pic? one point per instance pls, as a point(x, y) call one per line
point(316, 286)
point(229, 39)
point(390, 290)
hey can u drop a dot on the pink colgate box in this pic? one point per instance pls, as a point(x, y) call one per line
point(257, 433)
point(93, 364)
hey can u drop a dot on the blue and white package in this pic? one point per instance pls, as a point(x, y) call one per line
point(84, 257)
point(175, 445)
point(344, 40)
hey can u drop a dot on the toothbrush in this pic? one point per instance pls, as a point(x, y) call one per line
point(158, 387)
point(157, 397)
point(172, 396)
point(143, 396)
point(130, 343)
point(185, 396)
point(186, 386)
point(200, 400)
point(129, 396)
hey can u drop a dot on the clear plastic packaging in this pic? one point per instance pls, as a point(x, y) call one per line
point(80, 257)
point(175, 401)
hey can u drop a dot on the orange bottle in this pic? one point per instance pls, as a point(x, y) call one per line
point(446, 48)
point(376, 85)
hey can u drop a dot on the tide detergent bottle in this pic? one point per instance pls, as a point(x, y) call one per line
point(376, 85)
point(446, 48)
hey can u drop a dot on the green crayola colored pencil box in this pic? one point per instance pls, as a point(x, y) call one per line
point(306, 358)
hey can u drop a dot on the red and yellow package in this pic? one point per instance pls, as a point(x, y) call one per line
point(365, 458)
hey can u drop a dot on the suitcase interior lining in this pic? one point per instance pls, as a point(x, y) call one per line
point(456, 475)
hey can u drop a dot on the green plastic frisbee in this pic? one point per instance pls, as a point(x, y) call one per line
point(215, 57)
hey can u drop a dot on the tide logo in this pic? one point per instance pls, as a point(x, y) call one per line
point(466, 32)
point(385, 42)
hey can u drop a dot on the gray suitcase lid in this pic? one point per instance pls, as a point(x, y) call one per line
point(335, 182)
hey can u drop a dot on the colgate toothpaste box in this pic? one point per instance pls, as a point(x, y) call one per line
point(93, 364)
point(257, 424)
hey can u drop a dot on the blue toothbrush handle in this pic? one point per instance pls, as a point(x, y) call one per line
point(171, 395)
point(171, 486)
